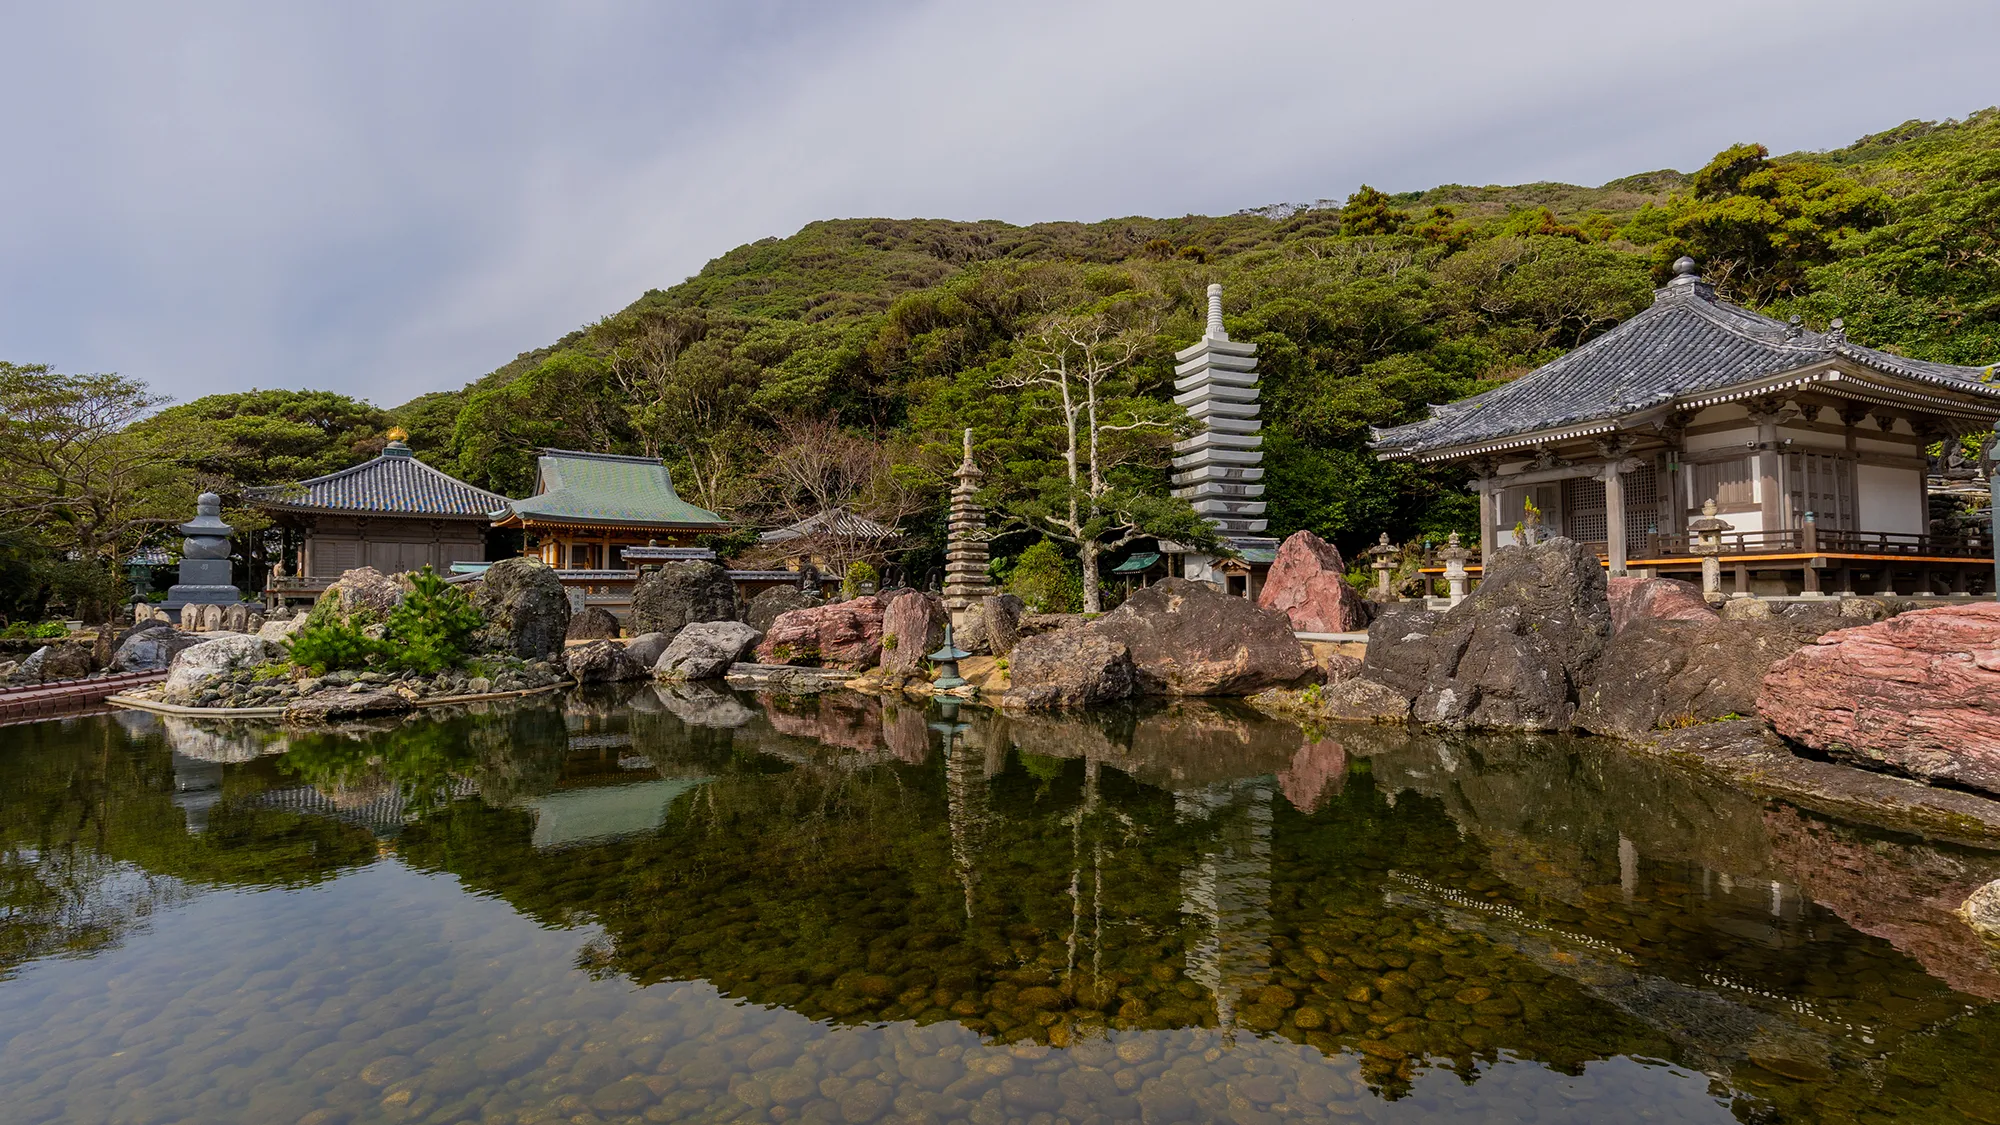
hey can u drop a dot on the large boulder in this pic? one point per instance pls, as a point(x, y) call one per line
point(705, 650)
point(647, 647)
point(1308, 584)
point(196, 667)
point(767, 606)
point(1000, 614)
point(1917, 694)
point(1188, 638)
point(681, 593)
point(1655, 599)
point(363, 596)
point(912, 628)
point(284, 629)
point(845, 635)
point(63, 660)
point(602, 662)
point(150, 647)
point(1515, 655)
point(1663, 672)
point(526, 609)
point(1069, 668)
point(594, 624)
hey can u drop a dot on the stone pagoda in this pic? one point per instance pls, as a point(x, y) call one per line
point(965, 576)
point(1220, 471)
point(205, 566)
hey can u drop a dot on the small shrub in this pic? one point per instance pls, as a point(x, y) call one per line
point(889, 642)
point(333, 646)
point(1312, 695)
point(429, 631)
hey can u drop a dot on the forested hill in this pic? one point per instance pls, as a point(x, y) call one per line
point(1365, 309)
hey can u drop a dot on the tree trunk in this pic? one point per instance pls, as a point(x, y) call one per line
point(1087, 553)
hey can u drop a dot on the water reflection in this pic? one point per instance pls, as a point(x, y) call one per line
point(1179, 910)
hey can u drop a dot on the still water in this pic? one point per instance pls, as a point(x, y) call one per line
point(684, 904)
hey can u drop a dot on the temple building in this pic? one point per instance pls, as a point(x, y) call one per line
point(1220, 471)
point(588, 507)
point(393, 513)
point(1812, 447)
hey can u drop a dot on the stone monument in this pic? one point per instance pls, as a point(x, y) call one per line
point(966, 581)
point(205, 569)
point(1220, 471)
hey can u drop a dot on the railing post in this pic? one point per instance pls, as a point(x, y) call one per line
point(1809, 533)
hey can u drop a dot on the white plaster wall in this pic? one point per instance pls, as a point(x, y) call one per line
point(1889, 499)
point(1724, 439)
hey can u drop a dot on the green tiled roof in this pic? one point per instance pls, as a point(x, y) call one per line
point(598, 488)
point(1137, 564)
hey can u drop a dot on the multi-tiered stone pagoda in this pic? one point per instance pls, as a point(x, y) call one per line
point(965, 574)
point(1221, 470)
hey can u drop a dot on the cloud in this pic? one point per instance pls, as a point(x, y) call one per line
point(392, 199)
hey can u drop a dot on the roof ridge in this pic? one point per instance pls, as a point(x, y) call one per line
point(630, 458)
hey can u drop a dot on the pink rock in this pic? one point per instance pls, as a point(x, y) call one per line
point(917, 621)
point(1662, 599)
point(1918, 693)
point(843, 635)
point(1308, 583)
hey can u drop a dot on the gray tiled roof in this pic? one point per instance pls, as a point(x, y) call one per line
point(396, 483)
point(1687, 343)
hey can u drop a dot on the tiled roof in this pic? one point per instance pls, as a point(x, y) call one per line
point(1687, 343)
point(837, 522)
point(603, 489)
point(396, 483)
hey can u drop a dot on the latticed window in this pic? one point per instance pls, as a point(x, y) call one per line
point(1822, 484)
point(1584, 512)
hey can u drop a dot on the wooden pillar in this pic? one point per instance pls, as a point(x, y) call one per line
point(1614, 518)
point(1487, 503)
point(1811, 580)
point(1742, 581)
point(1771, 499)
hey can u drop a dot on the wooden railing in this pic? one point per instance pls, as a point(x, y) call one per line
point(1813, 540)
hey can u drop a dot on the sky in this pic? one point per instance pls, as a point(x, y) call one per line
point(387, 199)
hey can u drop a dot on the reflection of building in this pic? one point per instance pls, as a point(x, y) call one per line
point(393, 513)
point(1228, 892)
point(603, 813)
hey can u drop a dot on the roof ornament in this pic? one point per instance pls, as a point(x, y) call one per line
point(1215, 329)
point(1836, 331)
point(1687, 279)
point(1795, 327)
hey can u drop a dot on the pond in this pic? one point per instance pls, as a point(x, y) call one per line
point(690, 905)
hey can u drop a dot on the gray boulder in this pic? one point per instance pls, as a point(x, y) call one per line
point(1981, 911)
point(647, 647)
point(1674, 672)
point(705, 650)
point(1069, 668)
point(681, 593)
point(526, 609)
point(150, 648)
point(765, 607)
point(594, 624)
point(1516, 655)
point(1189, 638)
point(195, 668)
point(282, 630)
point(63, 660)
point(335, 705)
point(601, 662)
point(362, 596)
point(916, 621)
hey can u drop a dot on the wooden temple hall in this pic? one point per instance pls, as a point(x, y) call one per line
point(1811, 447)
point(587, 509)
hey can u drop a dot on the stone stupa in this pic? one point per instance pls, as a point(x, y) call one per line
point(206, 577)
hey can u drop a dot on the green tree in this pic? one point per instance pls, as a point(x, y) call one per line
point(1756, 225)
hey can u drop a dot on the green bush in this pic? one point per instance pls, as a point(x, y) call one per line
point(1043, 579)
point(430, 631)
point(46, 630)
point(333, 645)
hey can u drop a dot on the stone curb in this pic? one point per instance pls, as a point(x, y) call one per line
point(176, 709)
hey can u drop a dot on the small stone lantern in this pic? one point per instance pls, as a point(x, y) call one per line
point(1707, 531)
point(947, 659)
point(1456, 579)
point(1384, 553)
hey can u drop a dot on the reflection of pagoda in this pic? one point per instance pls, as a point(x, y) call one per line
point(1229, 891)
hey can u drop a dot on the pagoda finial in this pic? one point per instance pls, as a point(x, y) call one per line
point(1215, 329)
point(968, 467)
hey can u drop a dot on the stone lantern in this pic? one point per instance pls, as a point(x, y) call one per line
point(1456, 579)
point(946, 659)
point(1384, 553)
point(1707, 530)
